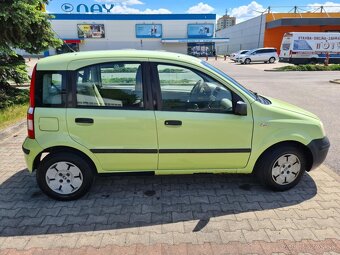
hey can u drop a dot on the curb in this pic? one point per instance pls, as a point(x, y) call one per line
point(11, 130)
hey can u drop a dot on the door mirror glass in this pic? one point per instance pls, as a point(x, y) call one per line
point(241, 108)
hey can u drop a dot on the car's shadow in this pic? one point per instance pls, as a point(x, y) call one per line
point(116, 202)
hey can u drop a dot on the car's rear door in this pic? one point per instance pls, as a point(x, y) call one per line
point(197, 129)
point(111, 115)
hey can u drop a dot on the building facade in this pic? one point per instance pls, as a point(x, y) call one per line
point(267, 30)
point(225, 21)
point(192, 34)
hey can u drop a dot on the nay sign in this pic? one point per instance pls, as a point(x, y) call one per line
point(67, 7)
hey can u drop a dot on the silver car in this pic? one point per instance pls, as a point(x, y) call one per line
point(266, 55)
point(235, 56)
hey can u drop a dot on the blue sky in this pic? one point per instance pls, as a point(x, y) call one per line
point(242, 9)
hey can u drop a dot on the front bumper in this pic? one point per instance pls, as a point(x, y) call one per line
point(319, 149)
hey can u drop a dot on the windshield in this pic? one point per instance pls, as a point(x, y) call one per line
point(224, 75)
point(244, 52)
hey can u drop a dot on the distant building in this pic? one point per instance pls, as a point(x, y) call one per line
point(268, 29)
point(225, 21)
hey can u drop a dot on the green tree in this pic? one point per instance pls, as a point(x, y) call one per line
point(23, 25)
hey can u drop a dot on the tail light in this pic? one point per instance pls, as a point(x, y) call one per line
point(30, 112)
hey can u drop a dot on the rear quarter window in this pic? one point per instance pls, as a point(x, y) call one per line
point(50, 89)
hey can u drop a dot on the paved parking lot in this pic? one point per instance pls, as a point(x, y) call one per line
point(207, 214)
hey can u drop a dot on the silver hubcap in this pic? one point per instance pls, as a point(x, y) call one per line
point(64, 178)
point(286, 169)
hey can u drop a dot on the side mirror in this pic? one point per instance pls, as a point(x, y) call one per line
point(241, 108)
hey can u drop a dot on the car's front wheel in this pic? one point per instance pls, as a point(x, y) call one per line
point(64, 176)
point(281, 168)
point(272, 60)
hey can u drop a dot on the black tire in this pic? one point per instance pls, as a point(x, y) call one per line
point(272, 60)
point(264, 167)
point(247, 61)
point(83, 165)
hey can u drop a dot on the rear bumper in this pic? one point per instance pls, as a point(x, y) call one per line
point(31, 150)
point(319, 149)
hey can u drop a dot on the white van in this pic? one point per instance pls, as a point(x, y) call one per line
point(307, 47)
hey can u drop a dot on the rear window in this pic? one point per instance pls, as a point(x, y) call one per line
point(50, 89)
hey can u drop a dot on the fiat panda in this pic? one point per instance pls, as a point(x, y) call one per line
point(163, 113)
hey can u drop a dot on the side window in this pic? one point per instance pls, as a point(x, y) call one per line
point(183, 89)
point(49, 90)
point(110, 85)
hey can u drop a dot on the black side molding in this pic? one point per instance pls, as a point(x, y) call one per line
point(242, 150)
point(26, 151)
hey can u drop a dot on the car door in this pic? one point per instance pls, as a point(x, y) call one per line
point(110, 115)
point(197, 129)
point(258, 56)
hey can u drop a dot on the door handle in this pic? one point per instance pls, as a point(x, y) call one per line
point(173, 123)
point(84, 120)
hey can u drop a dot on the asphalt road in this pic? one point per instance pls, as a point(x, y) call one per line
point(309, 90)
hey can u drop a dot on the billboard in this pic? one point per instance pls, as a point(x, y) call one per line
point(200, 30)
point(91, 31)
point(148, 30)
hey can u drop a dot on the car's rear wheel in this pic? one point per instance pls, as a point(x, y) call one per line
point(272, 60)
point(247, 61)
point(281, 168)
point(64, 176)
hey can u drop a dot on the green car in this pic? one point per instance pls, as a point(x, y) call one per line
point(163, 113)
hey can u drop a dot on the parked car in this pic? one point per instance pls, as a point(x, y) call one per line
point(235, 56)
point(259, 55)
point(163, 113)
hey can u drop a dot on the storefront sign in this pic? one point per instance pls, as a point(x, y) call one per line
point(148, 30)
point(94, 31)
point(200, 30)
point(81, 8)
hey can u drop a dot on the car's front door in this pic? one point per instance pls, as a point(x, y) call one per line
point(197, 129)
point(111, 118)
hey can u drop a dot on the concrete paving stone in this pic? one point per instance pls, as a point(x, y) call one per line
point(111, 209)
point(276, 235)
point(113, 239)
point(329, 204)
point(180, 249)
point(54, 220)
point(322, 234)
point(165, 238)
point(95, 219)
point(12, 231)
point(157, 218)
point(44, 242)
point(99, 202)
point(137, 239)
point(10, 222)
point(35, 230)
point(185, 238)
point(90, 211)
point(181, 200)
point(302, 234)
point(239, 225)
point(191, 208)
point(284, 214)
point(65, 241)
point(69, 211)
point(261, 224)
point(131, 209)
point(30, 221)
point(327, 213)
point(71, 220)
point(116, 218)
point(236, 198)
point(208, 237)
point(231, 207)
point(145, 217)
point(255, 235)
point(48, 212)
point(251, 206)
point(150, 229)
point(152, 208)
point(173, 227)
point(201, 249)
point(310, 213)
point(81, 228)
point(232, 236)
point(211, 207)
point(14, 243)
point(171, 208)
point(266, 214)
point(246, 215)
point(199, 199)
point(9, 212)
point(53, 229)
point(93, 240)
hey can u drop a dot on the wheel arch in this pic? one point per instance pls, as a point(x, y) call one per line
point(56, 149)
point(306, 151)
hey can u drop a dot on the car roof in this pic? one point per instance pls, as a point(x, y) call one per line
point(61, 62)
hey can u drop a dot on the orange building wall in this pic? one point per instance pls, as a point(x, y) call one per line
point(273, 37)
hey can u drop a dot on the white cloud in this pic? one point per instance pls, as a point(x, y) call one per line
point(156, 11)
point(200, 8)
point(329, 6)
point(121, 2)
point(246, 12)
